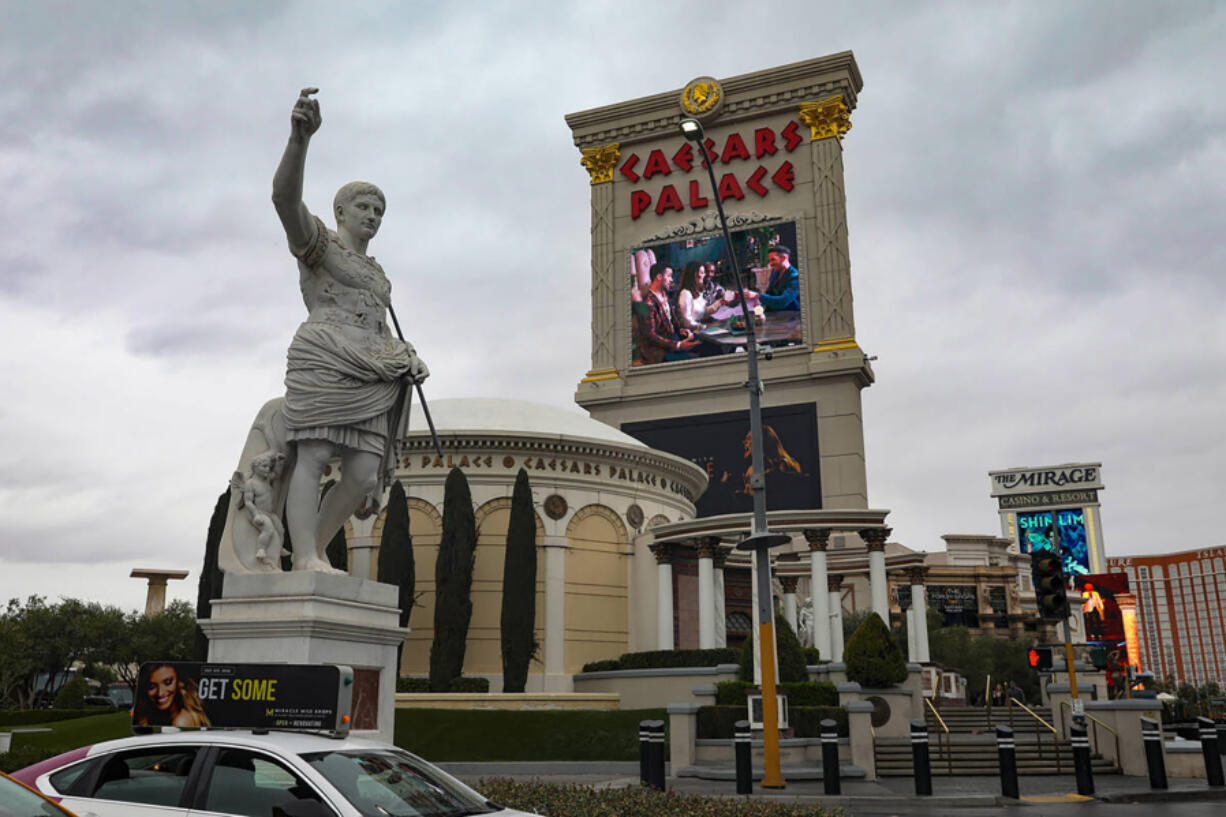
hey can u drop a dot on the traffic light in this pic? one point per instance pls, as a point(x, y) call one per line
point(1040, 658)
point(1049, 584)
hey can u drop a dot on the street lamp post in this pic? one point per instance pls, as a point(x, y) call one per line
point(761, 540)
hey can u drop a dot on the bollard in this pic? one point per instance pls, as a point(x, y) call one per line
point(1208, 747)
point(645, 753)
point(657, 755)
point(830, 757)
point(742, 742)
point(1151, 733)
point(1007, 750)
point(919, 757)
point(1080, 742)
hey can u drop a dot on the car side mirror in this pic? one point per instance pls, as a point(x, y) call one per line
point(302, 808)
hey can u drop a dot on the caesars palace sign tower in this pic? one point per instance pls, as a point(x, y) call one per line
point(668, 362)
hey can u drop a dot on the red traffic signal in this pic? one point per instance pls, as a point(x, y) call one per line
point(1040, 658)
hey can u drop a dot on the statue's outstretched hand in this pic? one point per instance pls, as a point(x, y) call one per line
point(305, 118)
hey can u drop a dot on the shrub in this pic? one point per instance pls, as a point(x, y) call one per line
point(718, 722)
point(607, 665)
point(804, 693)
point(668, 659)
point(872, 655)
point(575, 800)
point(812, 655)
point(792, 667)
point(72, 694)
point(417, 683)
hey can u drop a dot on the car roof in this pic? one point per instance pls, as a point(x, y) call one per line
point(290, 742)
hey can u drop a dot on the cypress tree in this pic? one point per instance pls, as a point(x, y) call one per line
point(519, 588)
point(337, 550)
point(453, 578)
point(396, 564)
point(209, 585)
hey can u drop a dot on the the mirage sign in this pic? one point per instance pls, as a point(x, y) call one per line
point(1083, 476)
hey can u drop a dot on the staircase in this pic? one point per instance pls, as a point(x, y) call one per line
point(972, 746)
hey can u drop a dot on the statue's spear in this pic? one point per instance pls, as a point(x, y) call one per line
point(438, 449)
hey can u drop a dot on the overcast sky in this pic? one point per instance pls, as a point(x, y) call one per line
point(1036, 194)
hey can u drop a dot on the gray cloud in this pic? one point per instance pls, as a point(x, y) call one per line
point(1033, 195)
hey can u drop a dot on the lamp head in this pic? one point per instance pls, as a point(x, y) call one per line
point(691, 129)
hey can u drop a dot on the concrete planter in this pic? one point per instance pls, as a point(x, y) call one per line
point(657, 688)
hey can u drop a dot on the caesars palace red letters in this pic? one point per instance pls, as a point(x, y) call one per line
point(765, 142)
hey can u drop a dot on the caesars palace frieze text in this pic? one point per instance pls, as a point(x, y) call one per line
point(608, 471)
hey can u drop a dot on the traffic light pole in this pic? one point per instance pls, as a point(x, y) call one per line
point(1068, 631)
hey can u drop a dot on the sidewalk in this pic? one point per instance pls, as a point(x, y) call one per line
point(888, 792)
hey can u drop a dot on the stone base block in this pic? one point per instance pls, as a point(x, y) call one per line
point(305, 617)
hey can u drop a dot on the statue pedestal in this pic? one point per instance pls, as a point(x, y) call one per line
point(306, 617)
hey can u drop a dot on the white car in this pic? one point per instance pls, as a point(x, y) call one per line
point(253, 774)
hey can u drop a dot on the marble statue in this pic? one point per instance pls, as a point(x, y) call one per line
point(346, 378)
point(804, 623)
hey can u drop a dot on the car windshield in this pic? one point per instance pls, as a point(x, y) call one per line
point(18, 800)
point(388, 783)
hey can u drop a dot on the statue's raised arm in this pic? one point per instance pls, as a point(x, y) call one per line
point(287, 182)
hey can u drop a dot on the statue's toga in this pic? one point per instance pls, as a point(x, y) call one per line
point(345, 372)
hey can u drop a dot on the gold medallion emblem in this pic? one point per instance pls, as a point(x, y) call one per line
point(702, 97)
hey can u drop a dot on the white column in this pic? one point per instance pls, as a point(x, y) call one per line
point(789, 599)
point(817, 539)
point(920, 611)
point(555, 614)
point(912, 649)
point(706, 592)
point(664, 595)
point(878, 590)
point(721, 612)
point(834, 584)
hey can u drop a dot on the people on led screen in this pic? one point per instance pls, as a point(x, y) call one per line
point(783, 291)
point(168, 700)
point(711, 289)
point(691, 301)
point(640, 272)
point(661, 335)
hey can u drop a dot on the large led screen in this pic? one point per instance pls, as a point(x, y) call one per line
point(720, 444)
point(686, 302)
point(1035, 529)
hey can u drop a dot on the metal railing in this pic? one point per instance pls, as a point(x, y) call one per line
point(1055, 735)
point(987, 698)
point(949, 751)
point(1094, 732)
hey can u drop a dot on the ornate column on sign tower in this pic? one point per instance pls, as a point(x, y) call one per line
point(919, 610)
point(834, 587)
point(875, 539)
point(789, 598)
point(600, 162)
point(721, 613)
point(818, 539)
point(706, 547)
point(664, 594)
point(830, 276)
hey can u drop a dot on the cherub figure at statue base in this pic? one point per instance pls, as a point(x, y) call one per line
point(259, 499)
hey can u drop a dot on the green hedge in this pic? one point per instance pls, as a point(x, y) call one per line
point(25, 717)
point(538, 735)
point(812, 655)
point(572, 800)
point(718, 722)
point(665, 659)
point(419, 683)
point(804, 693)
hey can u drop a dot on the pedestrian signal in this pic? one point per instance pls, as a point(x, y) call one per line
point(1050, 585)
point(1040, 658)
